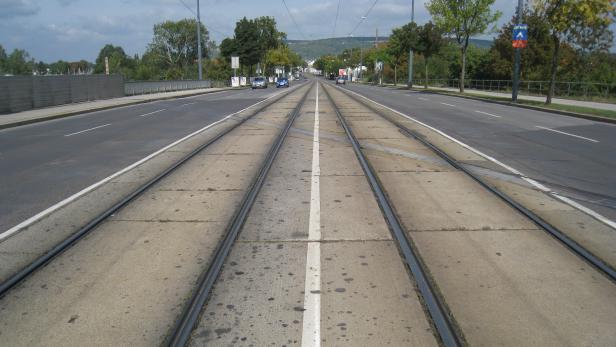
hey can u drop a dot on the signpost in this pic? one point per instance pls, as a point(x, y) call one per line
point(341, 72)
point(520, 38)
point(520, 35)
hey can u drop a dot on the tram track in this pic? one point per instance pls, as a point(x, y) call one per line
point(74, 238)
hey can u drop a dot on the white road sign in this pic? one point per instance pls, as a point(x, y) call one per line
point(235, 62)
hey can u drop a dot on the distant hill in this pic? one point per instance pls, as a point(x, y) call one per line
point(311, 49)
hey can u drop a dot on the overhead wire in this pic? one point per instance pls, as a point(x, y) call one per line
point(209, 27)
point(363, 18)
point(293, 19)
point(336, 20)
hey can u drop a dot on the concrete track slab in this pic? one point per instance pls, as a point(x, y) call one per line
point(349, 210)
point(448, 201)
point(519, 288)
point(258, 299)
point(124, 285)
point(392, 160)
point(368, 299)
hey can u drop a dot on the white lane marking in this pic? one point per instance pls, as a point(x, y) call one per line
point(488, 114)
point(536, 184)
point(149, 113)
point(424, 99)
point(564, 133)
point(83, 131)
point(446, 104)
point(311, 329)
point(190, 103)
point(86, 190)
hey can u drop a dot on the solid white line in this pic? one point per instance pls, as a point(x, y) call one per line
point(149, 113)
point(564, 133)
point(424, 99)
point(448, 104)
point(536, 184)
point(488, 114)
point(311, 329)
point(77, 195)
point(83, 131)
point(190, 103)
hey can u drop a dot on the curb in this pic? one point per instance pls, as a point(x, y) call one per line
point(507, 103)
point(103, 108)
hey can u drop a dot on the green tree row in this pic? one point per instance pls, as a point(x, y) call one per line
point(568, 40)
point(172, 54)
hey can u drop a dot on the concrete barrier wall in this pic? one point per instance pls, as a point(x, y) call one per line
point(21, 93)
point(148, 87)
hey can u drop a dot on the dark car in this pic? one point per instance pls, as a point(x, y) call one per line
point(332, 76)
point(282, 82)
point(259, 82)
point(341, 80)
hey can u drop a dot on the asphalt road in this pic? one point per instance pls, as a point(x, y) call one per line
point(574, 157)
point(44, 163)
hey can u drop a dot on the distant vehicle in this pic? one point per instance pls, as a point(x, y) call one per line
point(259, 82)
point(332, 76)
point(282, 82)
point(340, 80)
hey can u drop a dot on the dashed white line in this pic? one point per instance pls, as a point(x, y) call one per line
point(311, 326)
point(83, 131)
point(190, 103)
point(149, 113)
point(564, 133)
point(446, 104)
point(424, 99)
point(488, 114)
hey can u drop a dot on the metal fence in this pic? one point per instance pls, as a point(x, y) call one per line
point(21, 93)
point(571, 90)
point(148, 87)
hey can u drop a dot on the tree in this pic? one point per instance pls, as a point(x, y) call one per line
point(175, 45)
point(397, 48)
point(3, 60)
point(463, 19)
point(119, 62)
point(430, 42)
point(584, 23)
point(18, 63)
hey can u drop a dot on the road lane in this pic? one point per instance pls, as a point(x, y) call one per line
point(39, 166)
point(576, 168)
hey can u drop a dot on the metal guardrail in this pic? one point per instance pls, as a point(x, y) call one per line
point(573, 90)
point(148, 87)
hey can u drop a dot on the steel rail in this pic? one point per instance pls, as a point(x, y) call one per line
point(571, 244)
point(435, 307)
point(83, 231)
point(183, 330)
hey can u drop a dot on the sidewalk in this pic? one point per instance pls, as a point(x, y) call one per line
point(47, 113)
point(589, 104)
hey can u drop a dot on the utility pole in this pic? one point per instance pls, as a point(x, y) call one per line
point(410, 81)
point(516, 68)
point(199, 41)
point(376, 38)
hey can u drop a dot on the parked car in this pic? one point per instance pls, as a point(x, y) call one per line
point(340, 80)
point(259, 82)
point(282, 82)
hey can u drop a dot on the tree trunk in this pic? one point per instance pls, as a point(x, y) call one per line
point(426, 66)
point(553, 68)
point(395, 75)
point(463, 70)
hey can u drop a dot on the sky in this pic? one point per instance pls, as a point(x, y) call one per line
point(77, 29)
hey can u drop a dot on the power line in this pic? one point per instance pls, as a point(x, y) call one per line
point(363, 18)
point(336, 20)
point(188, 7)
point(293, 19)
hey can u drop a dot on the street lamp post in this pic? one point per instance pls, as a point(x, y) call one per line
point(410, 81)
point(199, 41)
